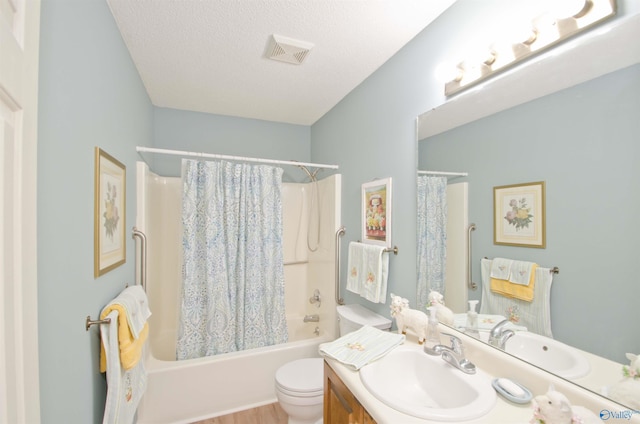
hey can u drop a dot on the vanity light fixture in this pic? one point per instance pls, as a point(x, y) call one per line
point(546, 31)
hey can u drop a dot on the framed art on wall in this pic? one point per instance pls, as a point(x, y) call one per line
point(376, 212)
point(519, 215)
point(109, 245)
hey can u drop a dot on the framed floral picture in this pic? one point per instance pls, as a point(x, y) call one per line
point(376, 212)
point(109, 245)
point(519, 215)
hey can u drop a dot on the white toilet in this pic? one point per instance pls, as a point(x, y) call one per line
point(352, 317)
point(299, 383)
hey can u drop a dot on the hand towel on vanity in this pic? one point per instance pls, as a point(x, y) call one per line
point(124, 387)
point(361, 347)
point(368, 268)
point(133, 310)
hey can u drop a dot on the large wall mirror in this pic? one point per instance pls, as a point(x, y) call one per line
point(583, 141)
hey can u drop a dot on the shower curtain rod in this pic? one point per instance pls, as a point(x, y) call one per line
point(141, 149)
point(451, 174)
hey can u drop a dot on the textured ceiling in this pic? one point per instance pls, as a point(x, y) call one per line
point(210, 55)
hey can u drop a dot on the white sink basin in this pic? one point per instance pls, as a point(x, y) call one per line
point(549, 354)
point(424, 386)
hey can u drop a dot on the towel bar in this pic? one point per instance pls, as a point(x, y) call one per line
point(554, 270)
point(89, 322)
point(393, 249)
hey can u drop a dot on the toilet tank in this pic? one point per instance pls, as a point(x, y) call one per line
point(352, 317)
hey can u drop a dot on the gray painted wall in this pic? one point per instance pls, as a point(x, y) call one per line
point(583, 142)
point(90, 95)
point(226, 135)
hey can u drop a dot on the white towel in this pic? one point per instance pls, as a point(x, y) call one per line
point(361, 347)
point(501, 268)
point(368, 268)
point(354, 267)
point(520, 272)
point(124, 388)
point(134, 300)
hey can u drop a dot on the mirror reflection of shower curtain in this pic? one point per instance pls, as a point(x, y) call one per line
point(233, 274)
point(432, 237)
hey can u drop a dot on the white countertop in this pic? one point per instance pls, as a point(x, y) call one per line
point(494, 363)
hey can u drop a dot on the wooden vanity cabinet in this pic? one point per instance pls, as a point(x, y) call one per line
point(340, 405)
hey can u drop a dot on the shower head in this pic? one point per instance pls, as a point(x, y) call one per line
point(312, 175)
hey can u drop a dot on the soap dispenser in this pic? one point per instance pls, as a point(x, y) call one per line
point(433, 332)
point(472, 320)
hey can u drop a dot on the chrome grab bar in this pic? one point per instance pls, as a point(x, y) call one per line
point(143, 256)
point(340, 232)
point(470, 283)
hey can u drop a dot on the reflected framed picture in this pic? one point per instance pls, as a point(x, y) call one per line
point(109, 245)
point(376, 212)
point(519, 215)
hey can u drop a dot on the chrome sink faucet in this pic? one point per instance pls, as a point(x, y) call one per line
point(453, 354)
point(498, 336)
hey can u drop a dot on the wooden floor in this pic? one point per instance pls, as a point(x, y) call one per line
point(267, 414)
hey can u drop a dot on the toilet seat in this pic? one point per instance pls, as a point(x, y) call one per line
point(301, 378)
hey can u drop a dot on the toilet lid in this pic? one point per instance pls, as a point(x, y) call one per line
point(301, 375)
point(360, 315)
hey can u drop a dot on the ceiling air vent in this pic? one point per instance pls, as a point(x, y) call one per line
point(288, 50)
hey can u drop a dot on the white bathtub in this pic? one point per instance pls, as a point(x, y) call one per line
point(196, 389)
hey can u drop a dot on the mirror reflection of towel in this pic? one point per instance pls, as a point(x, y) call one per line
point(522, 272)
point(516, 290)
point(501, 268)
point(534, 315)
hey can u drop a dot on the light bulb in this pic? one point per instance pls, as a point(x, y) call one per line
point(567, 8)
point(520, 32)
point(447, 71)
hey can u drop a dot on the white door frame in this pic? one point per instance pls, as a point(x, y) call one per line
point(19, 370)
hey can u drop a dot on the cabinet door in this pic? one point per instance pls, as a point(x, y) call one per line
point(366, 418)
point(340, 406)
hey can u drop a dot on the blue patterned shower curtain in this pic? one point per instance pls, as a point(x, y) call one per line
point(432, 236)
point(233, 273)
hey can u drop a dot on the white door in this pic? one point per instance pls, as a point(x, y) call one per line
point(19, 382)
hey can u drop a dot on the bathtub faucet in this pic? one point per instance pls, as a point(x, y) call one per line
point(312, 318)
point(315, 299)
